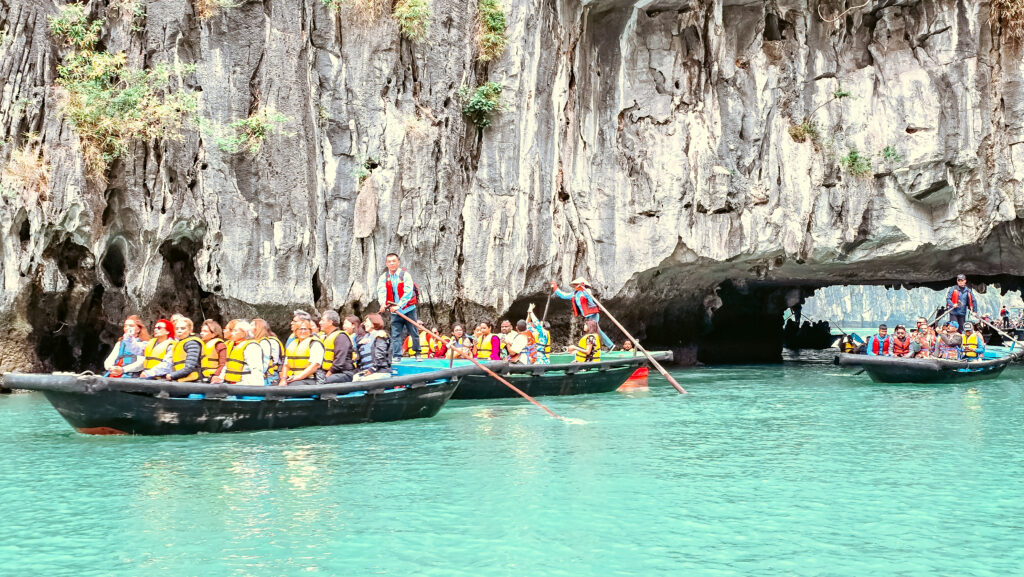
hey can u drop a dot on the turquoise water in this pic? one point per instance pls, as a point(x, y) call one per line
point(791, 470)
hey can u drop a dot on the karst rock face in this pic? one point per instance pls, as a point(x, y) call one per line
point(647, 145)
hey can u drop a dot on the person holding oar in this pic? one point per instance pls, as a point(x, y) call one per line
point(618, 325)
point(583, 305)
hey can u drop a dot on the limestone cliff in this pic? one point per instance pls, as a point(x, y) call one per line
point(660, 148)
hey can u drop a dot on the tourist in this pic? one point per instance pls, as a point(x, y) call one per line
point(330, 333)
point(879, 344)
point(901, 343)
point(460, 345)
point(960, 299)
point(924, 339)
point(486, 345)
point(126, 358)
point(229, 330)
point(215, 352)
point(973, 344)
point(273, 350)
point(627, 346)
point(589, 347)
point(346, 357)
point(245, 365)
point(304, 357)
point(397, 293)
point(427, 345)
point(948, 343)
point(541, 336)
point(521, 345)
point(505, 334)
point(158, 352)
point(375, 350)
point(583, 305)
point(187, 353)
point(297, 317)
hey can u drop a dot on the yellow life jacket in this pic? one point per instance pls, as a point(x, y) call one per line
point(154, 352)
point(971, 345)
point(273, 367)
point(298, 355)
point(235, 367)
point(581, 356)
point(547, 347)
point(849, 347)
point(178, 358)
point(483, 348)
point(329, 349)
point(211, 360)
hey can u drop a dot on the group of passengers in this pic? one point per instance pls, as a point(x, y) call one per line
point(527, 342)
point(924, 341)
point(249, 353)
point(333, 350)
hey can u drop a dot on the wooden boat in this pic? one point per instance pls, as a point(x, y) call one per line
point(104, 406)
point(931, 370)
point(561, 377)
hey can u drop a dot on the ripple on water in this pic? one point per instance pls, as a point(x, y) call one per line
point(789, 470)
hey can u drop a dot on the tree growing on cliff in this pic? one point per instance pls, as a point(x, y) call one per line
point(1011, 14)
point(109, 103)
point(413, 17)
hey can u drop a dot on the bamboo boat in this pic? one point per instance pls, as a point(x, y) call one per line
point(883, 369)
point(107, 406)
point(561, 377)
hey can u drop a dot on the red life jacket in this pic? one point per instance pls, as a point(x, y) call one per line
point(589, 306)
point(883, 347)
point(401, 288)
point(955, 299)
point(901, 348)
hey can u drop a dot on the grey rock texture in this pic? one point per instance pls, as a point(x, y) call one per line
point(644, 144)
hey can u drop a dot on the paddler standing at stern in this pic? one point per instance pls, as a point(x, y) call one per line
point(583, 306)
point(397, 292)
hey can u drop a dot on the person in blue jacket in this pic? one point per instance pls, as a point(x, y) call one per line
point(880, 344)
point(960, 299)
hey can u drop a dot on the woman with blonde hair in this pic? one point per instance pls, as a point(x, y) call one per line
point(272, 349)
point(244, 364)
point(215, 352)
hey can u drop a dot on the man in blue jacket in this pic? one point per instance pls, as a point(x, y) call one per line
point(959, 299)
point(880, 344)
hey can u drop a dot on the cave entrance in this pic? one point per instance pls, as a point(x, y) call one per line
point(178, 286)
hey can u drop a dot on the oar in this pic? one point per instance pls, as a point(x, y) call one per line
point(656, 364)
point(1014, 339)
point(487, 370)
point(940, 316)
point(546, 305)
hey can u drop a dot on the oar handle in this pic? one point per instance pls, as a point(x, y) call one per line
point(652, 360)
point(485, 369)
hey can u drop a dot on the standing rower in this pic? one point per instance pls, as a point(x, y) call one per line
point(583, 306)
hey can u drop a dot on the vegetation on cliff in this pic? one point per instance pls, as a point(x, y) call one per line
point(482, 103)
point(109, 103)
point(491, 36)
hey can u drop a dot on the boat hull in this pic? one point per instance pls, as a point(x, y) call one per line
point(98, 405)
point(925, 371)
point(114, 412)
point(554, 379)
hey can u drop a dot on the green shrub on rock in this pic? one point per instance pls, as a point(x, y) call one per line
point(108, 102)
point(481, 104)
point(491, 36)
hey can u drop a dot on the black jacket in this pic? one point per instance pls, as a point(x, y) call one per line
point(375, 352)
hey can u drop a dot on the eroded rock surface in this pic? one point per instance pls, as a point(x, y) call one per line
point(645, 145)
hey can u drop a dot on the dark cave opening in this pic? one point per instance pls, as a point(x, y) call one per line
point(178, 286)
point(68, 327)
point(113, 264)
